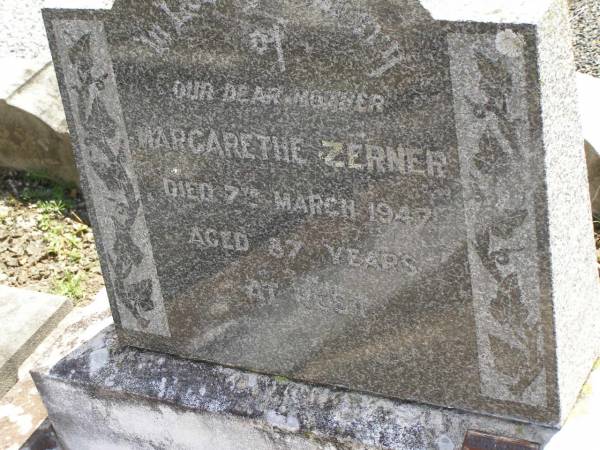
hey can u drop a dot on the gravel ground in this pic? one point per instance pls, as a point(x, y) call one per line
point(585, 20)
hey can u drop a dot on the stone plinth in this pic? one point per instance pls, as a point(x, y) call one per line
point(104, 396)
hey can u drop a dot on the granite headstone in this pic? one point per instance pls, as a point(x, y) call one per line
point(386, 196)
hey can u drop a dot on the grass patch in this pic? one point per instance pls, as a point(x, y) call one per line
point(52, 199)
point(54, 206)
point(50, 196)
point(63, 239)
point(69, 285)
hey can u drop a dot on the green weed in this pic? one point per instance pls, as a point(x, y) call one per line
point(50, 197)
point(70, 285)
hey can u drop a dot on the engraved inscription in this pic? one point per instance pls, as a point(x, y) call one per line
point(225, 239)
point(377, 158)
point(263, 40)
point(378, 260)
point(202, 91)
point(294, 150)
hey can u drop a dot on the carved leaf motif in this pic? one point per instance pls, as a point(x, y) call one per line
point(479, 111)
point(81, 57)
point(125, 253)
point(491, 157)
point(493, 72)
point(507, 128)
point(496, 81)
point(137, 298)
point(505, 225)
point(109, 174)
point(508, 307)
point(114, 176)
point(110, 164)
point(508, 360)
point(140, 295)
point(482, 245)
point(535, 362)
point(99, 121)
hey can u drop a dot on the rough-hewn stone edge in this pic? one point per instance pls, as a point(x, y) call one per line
point(574, 278)
point(102, 370)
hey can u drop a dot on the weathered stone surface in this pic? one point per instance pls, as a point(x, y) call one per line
point(106, 396)
point(33, 132)
point(385, 197)
point(78, 327)
point(26, 317)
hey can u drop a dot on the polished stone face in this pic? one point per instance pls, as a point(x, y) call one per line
point(339, 192)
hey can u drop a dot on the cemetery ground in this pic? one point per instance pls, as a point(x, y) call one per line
point(45, 238)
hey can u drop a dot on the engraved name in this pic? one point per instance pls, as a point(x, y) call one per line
point(377, 158)
point(292, 150)
point(223, 144)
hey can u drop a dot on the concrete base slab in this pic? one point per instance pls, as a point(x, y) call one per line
point(105, 396)
point(21, 409)
point(21, 412)
point(26, 318)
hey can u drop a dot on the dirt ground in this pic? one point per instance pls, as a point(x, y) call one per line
point(45, 240)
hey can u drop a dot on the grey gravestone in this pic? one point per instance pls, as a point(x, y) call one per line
point(384, 196)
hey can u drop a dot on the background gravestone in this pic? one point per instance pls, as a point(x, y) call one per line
point(386, 198)
point(27, 317)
